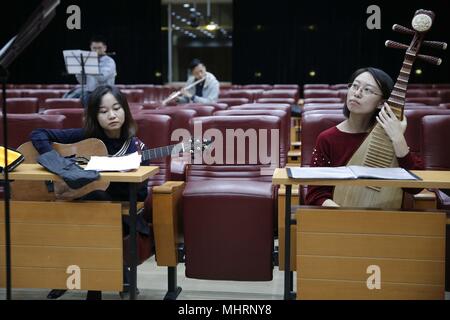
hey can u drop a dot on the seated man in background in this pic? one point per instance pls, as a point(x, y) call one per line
point(206, 91)
point(107, 74)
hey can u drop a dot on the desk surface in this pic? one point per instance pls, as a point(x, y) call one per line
point(430, 179)
point(38, 173)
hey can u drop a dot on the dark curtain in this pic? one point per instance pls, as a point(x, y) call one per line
point(132, 29)
point(283, 41)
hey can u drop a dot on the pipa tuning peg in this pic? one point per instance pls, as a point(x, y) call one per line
point(430, 59)
point(402, 29)
point(395, 45)
point(436, 44)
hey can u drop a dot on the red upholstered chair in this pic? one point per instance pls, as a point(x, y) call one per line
point(322, 100)
point(316, 86)
point(287, 86)
point(11, 93)
point(425, 100)
point(444, 95)
point(148, 90)
point(57, 86)
point(281, 93)
point(257, 86)
point(74, 117)
point(320, 94)
point(229, 210)
point(323, 106)
point(22, 105)
point(416, 93)
point(134, 95)
point(21, 125)
point(436, 156)
point(445, 105)
point(276, 100)
point(413, 133)
point(217, 106)
point(62, 104)
point(312, 125)
point(180, 119)
point(233, 101)
point(42, 95)
point(154, 132)
point(202, 111)
point(339, 86)
point(250, 94)
point(285, 126)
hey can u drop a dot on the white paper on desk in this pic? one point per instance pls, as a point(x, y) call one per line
point(124, 163)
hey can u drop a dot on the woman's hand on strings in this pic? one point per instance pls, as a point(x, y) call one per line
point(395, 129)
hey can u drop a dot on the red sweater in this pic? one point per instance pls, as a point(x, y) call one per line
point(335, 148)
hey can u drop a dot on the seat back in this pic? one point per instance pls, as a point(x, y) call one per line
point(20, 126)
point(62, 104)
point(434, 142)
point(240, 149)
point(74, 117)
point(22, 105)
point(285, 126)
point(413, 133)
point(154, 132)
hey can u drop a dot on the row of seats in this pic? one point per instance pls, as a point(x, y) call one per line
point(427, 96)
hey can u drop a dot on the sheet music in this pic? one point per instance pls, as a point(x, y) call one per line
point(124, 163)
point(349, 173)
point(72, 59)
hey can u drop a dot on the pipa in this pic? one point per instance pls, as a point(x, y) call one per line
point(377, 149)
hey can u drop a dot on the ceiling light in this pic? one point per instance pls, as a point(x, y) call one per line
point(212, 26)
point(186, 5)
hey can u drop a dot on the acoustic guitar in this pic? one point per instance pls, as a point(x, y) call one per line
point(82, 151)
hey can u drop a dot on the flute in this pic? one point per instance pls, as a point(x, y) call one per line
point(177, 93)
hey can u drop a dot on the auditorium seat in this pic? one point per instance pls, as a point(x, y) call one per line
point(316, 87)
point(323, 106)
point(202, 111)
point(21, 125)
point(413, 133)
point(444, 95)
point(251, 95)
point(134, 95)
point(287, 87)
point(320, 94)
point(276, 100)
point(62, 104)
point(425, 100)
point(22, 105)
point(281, 93)
point(233, 101)
point(217, 106)
point(339, 86)
point(322, 100)
point(312, 125)
point(11, 93)
point(436, 156)
point(224, 200)
point(180, 119)
point(284, 131)
point(74, 117)
point(257, 86)
point(42, 95)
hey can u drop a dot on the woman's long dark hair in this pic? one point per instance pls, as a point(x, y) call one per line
point(92, 127)
point(383, 80)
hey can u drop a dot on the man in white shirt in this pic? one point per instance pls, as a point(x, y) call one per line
point(204, 92)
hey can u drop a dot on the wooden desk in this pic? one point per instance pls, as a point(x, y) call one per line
point(430, 179)
point(36, 172)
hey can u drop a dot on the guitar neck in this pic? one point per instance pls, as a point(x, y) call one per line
point(161, 152)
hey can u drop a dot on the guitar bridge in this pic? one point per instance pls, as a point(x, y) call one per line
point(378, 189)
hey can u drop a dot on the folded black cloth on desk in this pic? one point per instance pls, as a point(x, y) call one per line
point(72, 174)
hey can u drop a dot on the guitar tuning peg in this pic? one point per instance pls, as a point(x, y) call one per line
point(395, 45)
point(436, 44)
point(402, 29)
point(191, 151)
point(430, 59)
point(190, 140)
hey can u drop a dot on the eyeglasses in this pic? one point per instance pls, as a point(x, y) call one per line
point(366, 91)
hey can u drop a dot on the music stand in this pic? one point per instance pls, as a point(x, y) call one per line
point(37, 22)
point(81, 63)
